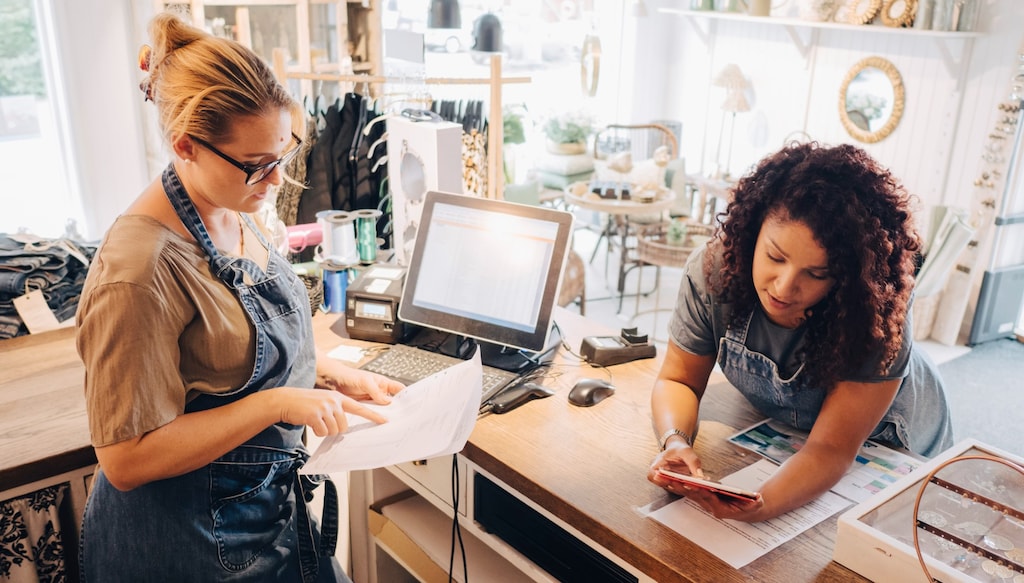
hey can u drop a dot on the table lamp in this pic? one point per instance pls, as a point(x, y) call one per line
point(735, 84)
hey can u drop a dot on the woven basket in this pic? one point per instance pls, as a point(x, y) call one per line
point(315, 289)
point(654, 250)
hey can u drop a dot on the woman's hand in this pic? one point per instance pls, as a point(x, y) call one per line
point(722, 506)
point(681, 458)
point(356, 383)
point(322, 411)
point(677, 457)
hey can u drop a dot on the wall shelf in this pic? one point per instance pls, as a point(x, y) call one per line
point(804, 33)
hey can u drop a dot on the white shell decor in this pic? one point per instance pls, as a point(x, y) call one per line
point(621, 162)
point(818, 10)
point(661, 156)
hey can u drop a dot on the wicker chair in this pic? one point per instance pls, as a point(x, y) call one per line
point(641, 141)
point(574, 283)
point(654, 249)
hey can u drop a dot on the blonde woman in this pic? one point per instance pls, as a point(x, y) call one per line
point(197, 343)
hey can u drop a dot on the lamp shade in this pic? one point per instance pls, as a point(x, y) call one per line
point(444, 14)
point(487, 34)
point(731, 78)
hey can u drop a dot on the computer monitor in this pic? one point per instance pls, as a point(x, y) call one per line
point(487, 269)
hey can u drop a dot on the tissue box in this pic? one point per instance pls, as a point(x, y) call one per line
point(969, 522)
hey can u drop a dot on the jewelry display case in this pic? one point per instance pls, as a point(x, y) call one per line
point(960, 517)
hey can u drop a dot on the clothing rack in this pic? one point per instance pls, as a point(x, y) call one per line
point(495, 132)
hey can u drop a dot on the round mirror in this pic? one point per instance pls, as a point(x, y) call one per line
point(871, 100)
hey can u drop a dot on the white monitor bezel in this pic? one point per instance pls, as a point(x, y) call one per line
point(534, 340)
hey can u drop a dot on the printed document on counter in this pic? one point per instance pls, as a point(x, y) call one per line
point(738, 543)
point(429, 418)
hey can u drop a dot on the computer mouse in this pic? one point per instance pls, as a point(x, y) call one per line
point(589, 392)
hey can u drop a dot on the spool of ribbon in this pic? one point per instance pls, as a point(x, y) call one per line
point(338, 244)
point(366, 234)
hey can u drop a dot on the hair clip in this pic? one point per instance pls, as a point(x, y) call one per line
point(145, 57)
point(147, 89)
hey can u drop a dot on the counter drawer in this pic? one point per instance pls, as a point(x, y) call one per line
point(432, 478)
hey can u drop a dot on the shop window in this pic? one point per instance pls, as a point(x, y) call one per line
point(37, 195)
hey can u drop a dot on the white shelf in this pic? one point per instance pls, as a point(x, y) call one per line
point(795, 27)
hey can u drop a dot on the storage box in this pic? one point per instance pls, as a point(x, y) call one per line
point(969, 522)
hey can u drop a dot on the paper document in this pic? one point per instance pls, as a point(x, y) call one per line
point(739, 543)
point(875, 467)
point(429, 418)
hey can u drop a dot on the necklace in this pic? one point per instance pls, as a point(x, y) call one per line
point(241, 236)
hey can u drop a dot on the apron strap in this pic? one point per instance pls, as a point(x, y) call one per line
point(310, 554)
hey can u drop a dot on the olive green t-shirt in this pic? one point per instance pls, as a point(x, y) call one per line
point(155, 329)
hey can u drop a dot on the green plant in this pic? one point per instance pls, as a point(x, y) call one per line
point(513, 132)
point(512, 124)
point(568, 128)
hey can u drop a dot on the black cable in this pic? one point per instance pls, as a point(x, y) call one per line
point(456, 530)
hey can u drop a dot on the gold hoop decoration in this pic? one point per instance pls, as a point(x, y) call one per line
point(862, 11)
point(590, 64)
point(899, 13)
point(871, 100)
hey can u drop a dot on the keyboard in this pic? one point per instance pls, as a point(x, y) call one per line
point(408, 364)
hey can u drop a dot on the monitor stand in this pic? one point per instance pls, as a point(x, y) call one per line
point(494, 355)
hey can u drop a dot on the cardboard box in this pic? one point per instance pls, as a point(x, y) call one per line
point(976, 499)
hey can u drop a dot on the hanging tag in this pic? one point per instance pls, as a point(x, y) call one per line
point(38, 316)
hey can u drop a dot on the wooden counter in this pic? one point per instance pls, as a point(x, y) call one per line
point(586, 466)
point(43, 426)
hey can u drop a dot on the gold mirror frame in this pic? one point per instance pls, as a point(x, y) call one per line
point(895, 80)
point(862, 11)
point(899, 13)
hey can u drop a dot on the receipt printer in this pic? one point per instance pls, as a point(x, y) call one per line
point(371, 305)
point(611, 350)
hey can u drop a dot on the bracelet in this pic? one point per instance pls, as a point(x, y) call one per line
point(663, 442)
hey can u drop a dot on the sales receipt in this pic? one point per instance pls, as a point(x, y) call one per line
point(429, 418)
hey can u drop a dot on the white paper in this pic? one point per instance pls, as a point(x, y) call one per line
point(874, 468)
point(738, 543)
point(430, 418)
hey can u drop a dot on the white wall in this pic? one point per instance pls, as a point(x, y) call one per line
point(935, 149)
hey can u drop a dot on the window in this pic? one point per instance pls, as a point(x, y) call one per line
point(37, 194)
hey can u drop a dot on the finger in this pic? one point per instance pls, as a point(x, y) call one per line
point(319, 428)
point(355, 408)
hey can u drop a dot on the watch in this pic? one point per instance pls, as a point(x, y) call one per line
point(663, 442)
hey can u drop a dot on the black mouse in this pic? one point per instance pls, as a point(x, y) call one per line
point(589, 392)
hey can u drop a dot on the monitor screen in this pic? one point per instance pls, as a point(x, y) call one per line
point(486, 269)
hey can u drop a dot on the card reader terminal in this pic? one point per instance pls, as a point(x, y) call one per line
point(371, 305)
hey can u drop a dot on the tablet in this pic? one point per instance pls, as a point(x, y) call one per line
point(716, 487)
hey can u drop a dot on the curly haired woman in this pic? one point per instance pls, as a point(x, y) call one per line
point(803, 299)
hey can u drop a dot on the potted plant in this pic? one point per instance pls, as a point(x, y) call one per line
point(517, 188)
point(567, 133)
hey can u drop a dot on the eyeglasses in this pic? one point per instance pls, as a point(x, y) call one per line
point(255, 173)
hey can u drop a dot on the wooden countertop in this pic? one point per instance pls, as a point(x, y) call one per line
point(587, 466)
point(43, 426)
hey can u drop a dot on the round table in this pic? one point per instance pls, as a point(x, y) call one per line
point(580, 195)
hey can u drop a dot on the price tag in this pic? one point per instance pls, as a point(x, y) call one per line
point(38, 316)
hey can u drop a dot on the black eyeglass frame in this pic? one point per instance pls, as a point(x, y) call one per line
point(254, 173)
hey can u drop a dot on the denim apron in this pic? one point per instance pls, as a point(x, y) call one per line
point(238, 518)
point(918, 418)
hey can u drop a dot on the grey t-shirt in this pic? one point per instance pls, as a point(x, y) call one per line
point(699, 323)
